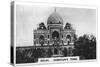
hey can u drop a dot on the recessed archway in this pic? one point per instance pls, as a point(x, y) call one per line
point(68, 37)
point(41, 40)
point(55, 34)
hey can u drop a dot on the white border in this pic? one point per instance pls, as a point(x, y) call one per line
point(54, 4)
point(51, 5)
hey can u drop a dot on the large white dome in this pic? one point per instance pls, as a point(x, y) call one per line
point(55, 18)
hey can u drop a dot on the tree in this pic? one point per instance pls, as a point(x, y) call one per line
point(85, 47)
point(50, 52)
point(65, 52)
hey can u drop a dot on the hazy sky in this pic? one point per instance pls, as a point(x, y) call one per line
point(28, 17)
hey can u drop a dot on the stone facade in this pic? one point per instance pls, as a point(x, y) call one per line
point(55, 36)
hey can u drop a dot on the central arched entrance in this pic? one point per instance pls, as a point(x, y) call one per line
point(55, 38)
point(55, 34)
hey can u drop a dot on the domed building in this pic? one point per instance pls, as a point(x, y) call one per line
point(58, 38)
point(55, 18)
